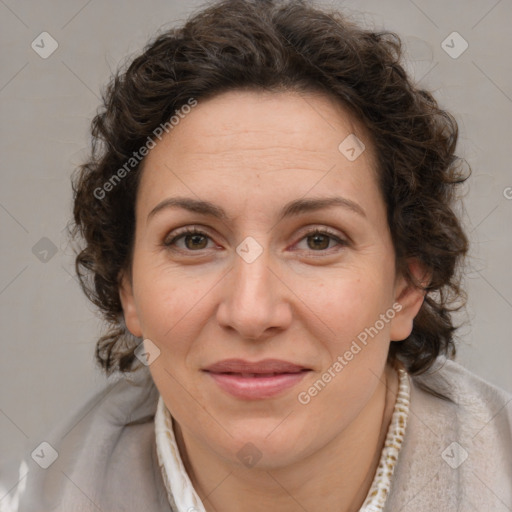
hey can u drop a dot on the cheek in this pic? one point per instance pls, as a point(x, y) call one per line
point(346, 303)
point(174, 306)
point(168, 302)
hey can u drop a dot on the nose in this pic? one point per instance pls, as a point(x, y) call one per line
point(255, 302)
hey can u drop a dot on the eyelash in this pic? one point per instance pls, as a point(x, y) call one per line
point(194, 231)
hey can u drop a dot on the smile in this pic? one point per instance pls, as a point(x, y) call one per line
point(258, 380)
point(251, 386)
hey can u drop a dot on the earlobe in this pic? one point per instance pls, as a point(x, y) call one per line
point(410, 297)
point(126, 296)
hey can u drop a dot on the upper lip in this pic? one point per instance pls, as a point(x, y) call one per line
point(263, 366)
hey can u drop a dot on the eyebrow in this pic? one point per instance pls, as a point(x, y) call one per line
point(290, 209)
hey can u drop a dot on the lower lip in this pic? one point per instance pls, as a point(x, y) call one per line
point(256, 388)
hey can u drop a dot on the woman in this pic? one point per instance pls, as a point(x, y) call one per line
point(268, 229)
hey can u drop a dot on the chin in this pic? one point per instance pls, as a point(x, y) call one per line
point(265, 445)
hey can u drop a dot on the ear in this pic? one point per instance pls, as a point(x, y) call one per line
point(131, 317)
point(409, 298)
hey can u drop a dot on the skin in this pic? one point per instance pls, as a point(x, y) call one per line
point(303, 299)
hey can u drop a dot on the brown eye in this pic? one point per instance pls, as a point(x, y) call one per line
point(318, 241)
point(193, 241)
point(321, 241)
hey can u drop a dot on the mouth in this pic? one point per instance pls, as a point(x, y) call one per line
point(256, 380)
point(257, 375)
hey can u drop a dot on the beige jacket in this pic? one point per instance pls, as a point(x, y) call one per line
point(455, 456)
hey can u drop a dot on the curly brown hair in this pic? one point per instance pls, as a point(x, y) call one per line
point(274, 46)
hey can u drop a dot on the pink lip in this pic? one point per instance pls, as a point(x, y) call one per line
point(258, 380)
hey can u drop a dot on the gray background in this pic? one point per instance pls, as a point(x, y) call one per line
point(48, 328)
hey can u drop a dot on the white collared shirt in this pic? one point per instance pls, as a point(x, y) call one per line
point(181, 491)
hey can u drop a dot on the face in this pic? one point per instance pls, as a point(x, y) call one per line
point(264, 271)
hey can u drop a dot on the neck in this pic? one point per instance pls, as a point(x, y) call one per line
point(336, 478)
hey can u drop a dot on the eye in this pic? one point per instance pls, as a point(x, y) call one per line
point(319, 240)
point(193, 240)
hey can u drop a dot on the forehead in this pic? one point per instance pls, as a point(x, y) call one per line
point(280, 139)
point(242, 120)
